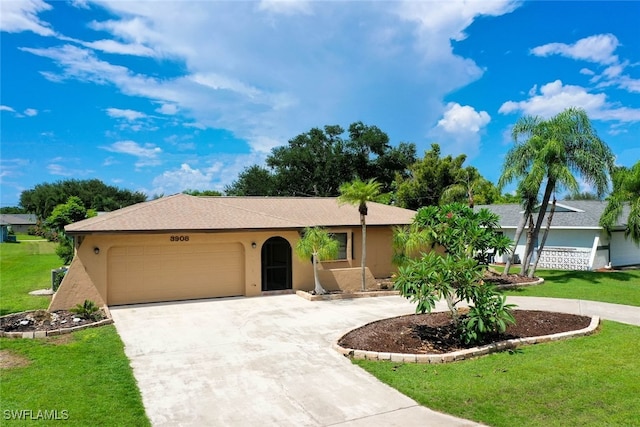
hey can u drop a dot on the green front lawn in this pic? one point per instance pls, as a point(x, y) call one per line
point(589, 381)
point(617, 287)
point(25, 266)
point(85, 374)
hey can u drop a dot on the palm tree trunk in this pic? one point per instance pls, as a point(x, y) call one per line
point(319, 290)
point(364, 251)
point(527, 251)
point(519, 231)
point(541, 214)
point(544, 238)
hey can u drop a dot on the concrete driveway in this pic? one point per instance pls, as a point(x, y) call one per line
point(261, 361)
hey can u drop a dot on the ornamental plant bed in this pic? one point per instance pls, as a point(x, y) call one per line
point(44, 321)
point(434, 333)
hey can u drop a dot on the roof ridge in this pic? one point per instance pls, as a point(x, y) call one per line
point(261, 213)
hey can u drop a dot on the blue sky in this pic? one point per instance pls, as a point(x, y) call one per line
point(165, 96)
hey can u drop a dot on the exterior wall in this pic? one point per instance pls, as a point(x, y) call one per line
point(379, 251)
point(21, 228)
point(345, 279)
point(623, 250)
point(564, 249)
point(92, 254)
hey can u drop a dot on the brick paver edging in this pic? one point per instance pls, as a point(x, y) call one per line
point(59, 331)
point(466, 353)
point(345, 295)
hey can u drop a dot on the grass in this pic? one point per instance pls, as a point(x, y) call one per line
point(85, 374)
point(618, 287)
point(23, 236)
point(24, 267)
point(589, 381)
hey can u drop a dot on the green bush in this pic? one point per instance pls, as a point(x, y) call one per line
point(88, 310)
point(426, 275)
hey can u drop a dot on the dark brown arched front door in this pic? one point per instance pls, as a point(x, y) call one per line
point(276, 264)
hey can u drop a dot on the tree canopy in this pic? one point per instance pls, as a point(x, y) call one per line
point(429, 178)
point(93, 194)
point(547, 153)
point(626, 189)
point(317, 162)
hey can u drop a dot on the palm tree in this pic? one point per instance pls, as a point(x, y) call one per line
point(316, 243)
point(529, 198)
point(550, 152)
point(626, 189)
point(464, 188)
point(359, 193)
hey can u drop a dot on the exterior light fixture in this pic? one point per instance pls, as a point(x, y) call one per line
point(253, 245)
point(96, 250)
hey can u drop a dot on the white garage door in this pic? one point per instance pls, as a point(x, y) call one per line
point(139, 274)
point(623, 251)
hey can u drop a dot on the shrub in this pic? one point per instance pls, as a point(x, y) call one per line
point(88, 310)
point(426, 276)
point(65, 250)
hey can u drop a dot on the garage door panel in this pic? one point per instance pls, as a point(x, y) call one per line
point(174, 272)
point(623, 250)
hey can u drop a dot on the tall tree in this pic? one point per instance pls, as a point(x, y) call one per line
point(359, 193)
point(317, 162)
point(316, 243)
point(471, 188)
point(428, 178)
point(626, 190)
point(203, 193)
point(253, 181)
point(94, 194)
point(64, 214)
point(549, 152)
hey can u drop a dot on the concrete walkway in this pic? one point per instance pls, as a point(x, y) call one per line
point(268, 361)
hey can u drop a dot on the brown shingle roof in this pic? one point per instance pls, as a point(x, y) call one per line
point(184, 212)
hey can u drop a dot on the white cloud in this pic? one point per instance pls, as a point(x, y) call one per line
point(30, 112)
point(599, 49)
point(22, 15)
point(219, 172)
point(7, 108)
point(168, 109)
point(463, 119)
point(185, 178)
point(112, 46)
point(258, 65)
point(147, 154)
point(555, 97)
point(127, 114)
point(61, 170)
point(459, 129)
point(286, 7)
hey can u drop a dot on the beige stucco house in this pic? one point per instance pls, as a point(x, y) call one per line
point(184, 247)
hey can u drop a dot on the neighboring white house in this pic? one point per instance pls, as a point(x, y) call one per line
point(576, 241)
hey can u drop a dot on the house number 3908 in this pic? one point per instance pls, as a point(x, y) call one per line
point(179, 238)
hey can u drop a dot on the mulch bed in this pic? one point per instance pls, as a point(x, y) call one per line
point(434, 333)
point(510, 279)
point(41, 320)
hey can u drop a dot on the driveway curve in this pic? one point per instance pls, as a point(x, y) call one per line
point(268, 361)
point(264, 361)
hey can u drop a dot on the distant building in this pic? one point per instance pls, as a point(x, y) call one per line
point(19, 223)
